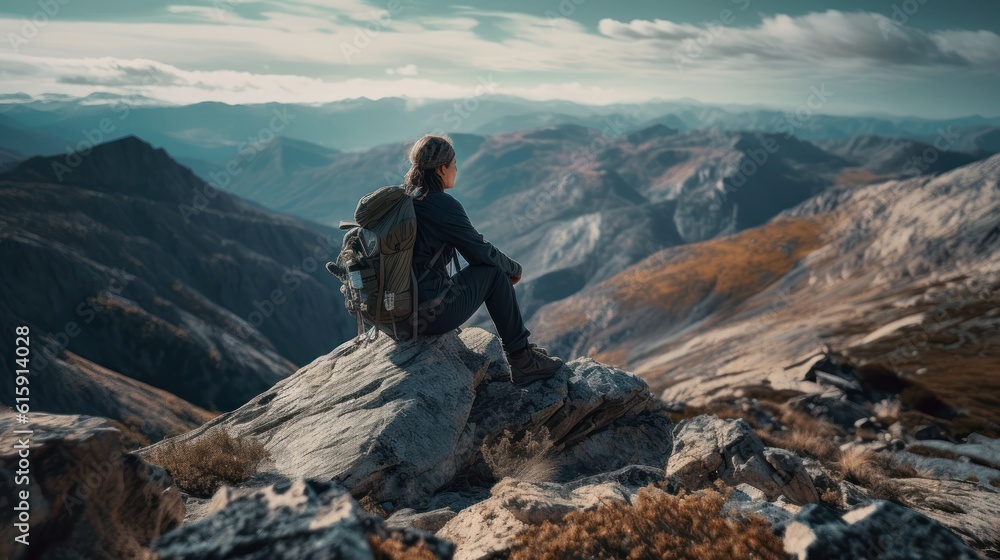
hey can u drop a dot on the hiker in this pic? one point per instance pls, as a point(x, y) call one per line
point(490, 275)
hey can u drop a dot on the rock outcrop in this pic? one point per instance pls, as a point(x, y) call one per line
point(400, 421)
point(970, 509)
point(289, 520)
point(86, 497)
point(881, 530)
point(490, 527)
point(708, 448)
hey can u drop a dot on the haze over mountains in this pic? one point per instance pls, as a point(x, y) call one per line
point(213, 131)
point(645, 232)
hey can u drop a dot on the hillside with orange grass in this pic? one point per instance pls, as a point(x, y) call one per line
point(726, 269)
point(899, 272)
point(675, 288)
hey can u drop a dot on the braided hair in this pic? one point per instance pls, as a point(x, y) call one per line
point(426, 155)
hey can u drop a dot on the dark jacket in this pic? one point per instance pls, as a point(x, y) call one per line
point(441, 218)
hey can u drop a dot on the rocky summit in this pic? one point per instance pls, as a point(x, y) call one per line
point(400, 422)
point(381, 449)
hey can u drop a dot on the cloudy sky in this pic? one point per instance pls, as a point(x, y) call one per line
point(934, 58)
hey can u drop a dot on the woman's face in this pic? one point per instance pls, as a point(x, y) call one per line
point(447, 174)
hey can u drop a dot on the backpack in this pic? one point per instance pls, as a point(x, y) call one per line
point(375, 263)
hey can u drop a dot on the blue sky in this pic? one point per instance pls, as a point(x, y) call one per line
point(918, 57)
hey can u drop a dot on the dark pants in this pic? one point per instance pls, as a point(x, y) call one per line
point(474, 285)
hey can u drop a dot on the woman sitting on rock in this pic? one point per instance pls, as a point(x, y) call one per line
point(489, 277)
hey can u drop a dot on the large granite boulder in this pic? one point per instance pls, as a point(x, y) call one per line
point(297, 519)
point(708, 448)
point(399, 421)
point(881, 529)
point(86, 497)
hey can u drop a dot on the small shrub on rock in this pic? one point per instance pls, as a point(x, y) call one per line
point(658, 526)
point(527, 458)
point(201, 466)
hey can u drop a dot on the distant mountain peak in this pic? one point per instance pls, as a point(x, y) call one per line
point(128, 164)
point(655, 131)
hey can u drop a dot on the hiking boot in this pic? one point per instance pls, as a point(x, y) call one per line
point(532, 364)
point(538, 348)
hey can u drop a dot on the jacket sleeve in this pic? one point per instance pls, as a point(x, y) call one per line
point(457, 230)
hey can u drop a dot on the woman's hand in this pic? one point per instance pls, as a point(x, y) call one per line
point(515, 279)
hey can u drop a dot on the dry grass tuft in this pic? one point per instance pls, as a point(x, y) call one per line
point(201, 466)
point(855, 464)
point(875, 472)
point(657, 526)
point(392, 549)
point(805, 435)
point(527, 458)
point(891, 468)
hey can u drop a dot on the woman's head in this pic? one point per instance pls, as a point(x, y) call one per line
point(432, 164)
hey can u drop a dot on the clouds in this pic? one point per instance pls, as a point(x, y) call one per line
point(78, 76)
point(242, 52)
point(408, 70)
point(859, 39)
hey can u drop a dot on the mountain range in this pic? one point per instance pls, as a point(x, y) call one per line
point(902, 273)
point(634, 244)
point(217, 132)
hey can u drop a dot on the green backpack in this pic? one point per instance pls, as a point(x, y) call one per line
point(375, 263)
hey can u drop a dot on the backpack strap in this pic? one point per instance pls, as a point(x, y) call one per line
point(416, 305)
point(378, 303)
point(427, 267)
